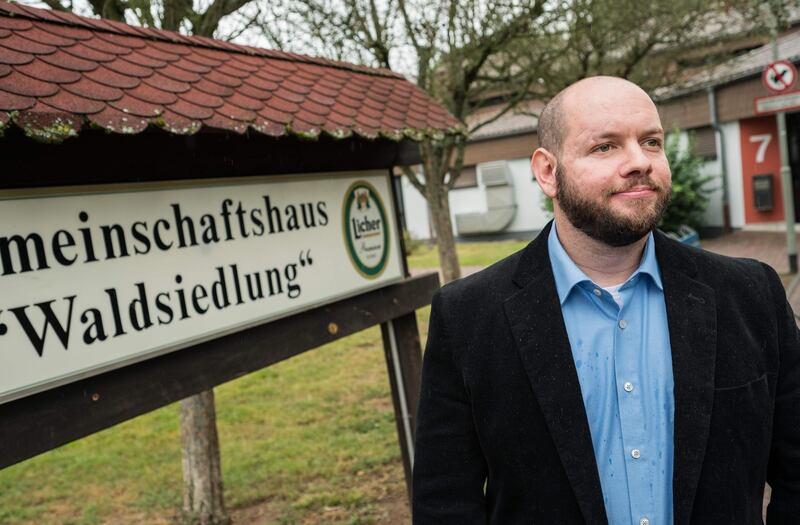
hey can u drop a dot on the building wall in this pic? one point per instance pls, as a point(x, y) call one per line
point(529, 215)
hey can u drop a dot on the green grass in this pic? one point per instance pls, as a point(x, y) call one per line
point(313, 438)
point(310, 440)
point(469, 254)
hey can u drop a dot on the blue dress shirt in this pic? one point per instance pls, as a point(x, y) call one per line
point(624, 363)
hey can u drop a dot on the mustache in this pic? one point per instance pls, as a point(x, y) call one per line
point(641, 183)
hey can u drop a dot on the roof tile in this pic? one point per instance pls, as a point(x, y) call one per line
point(46, 123)
point(157, 54)
point(105, 76)
point(151, 94)
point(88, 88)
point(123, 41)
point(12, 102)
point(119, 122)
point(191, 111)
point(66, 101)
point(197, 58)
point(37, 34)
point(203, 99)
point(168, 47)
point(134, 106)
point(67, 61)
point(178, 124)
point(206, 86)
point(236, 113)
point(178, 74)
point(19, 84)
point(343, 110)
point(247, 67)
point(288, 96)
point(16, 42)
point(311, 118)
point(336, 131)
point(86, 52)
point(219, 78)
point(15, 23)
point(75, 33)
point(266, 127)
point(13, 58)
point(225, 69)
point(139, 59)
point(120, 77)
point(192, 67)
point(305, 129)
point(222, 122)
point(242, 101)
point(159, 81)
point(272, 115)
point(124, 67)
point(253, 92)
point(282, 105)
point(43, 71)
point(104, 46)
point(260, 83)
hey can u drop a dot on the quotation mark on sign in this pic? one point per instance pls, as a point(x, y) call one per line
point(305, 259)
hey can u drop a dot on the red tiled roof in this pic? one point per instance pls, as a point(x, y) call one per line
point(60, 72)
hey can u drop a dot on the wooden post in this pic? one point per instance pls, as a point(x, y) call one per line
point(403, 353)
point(203, 500)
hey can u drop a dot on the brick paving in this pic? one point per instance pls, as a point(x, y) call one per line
point(769, 247)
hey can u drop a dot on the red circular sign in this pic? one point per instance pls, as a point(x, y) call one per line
point(779, 76)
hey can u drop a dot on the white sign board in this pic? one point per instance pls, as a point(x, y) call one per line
point(779, 76)
point(96, 280)
point(776, 103)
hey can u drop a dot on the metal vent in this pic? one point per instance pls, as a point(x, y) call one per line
point(494, 174)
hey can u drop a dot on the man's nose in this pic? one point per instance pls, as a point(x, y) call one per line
point(637, 162)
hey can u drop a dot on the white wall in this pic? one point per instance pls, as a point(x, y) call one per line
point(529, 214)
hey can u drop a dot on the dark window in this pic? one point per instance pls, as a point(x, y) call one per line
point(705, 142)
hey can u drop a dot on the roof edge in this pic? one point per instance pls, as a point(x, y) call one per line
point(15, 10)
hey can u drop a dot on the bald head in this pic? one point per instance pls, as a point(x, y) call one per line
point(555, 116)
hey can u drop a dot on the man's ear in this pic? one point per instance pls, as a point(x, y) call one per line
point(543, 166)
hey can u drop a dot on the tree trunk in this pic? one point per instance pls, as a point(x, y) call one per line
point(439, 206)
point(203, 501)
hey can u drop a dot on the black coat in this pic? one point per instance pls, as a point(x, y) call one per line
point(502, 434)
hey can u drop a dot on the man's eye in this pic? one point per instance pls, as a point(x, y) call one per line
point(654, 143)
point(603, 148)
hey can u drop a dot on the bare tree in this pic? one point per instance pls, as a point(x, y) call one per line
point(472, 53)
point(172, 15)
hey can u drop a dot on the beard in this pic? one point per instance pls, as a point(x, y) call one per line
point(599, 221)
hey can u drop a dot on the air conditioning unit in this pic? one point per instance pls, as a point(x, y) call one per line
point(494, 178)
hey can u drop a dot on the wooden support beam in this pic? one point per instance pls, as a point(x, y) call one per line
point(403, 352)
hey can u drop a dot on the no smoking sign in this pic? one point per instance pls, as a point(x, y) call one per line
point(779, 76)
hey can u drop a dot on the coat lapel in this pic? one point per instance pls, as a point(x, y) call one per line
point(534, 314)
point(691, 316)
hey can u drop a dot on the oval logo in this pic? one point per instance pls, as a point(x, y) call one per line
point(365, 229)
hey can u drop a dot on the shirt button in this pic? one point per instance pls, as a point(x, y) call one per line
point(623, 323)
point(644, 521)
point(636, 453)
point(628, 387)
point(597, 292)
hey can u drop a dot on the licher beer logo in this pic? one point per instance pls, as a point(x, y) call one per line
point(365, 229)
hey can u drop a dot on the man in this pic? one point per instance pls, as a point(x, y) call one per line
point(606, 373)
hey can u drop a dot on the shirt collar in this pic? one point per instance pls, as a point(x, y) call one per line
point(568, 275)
